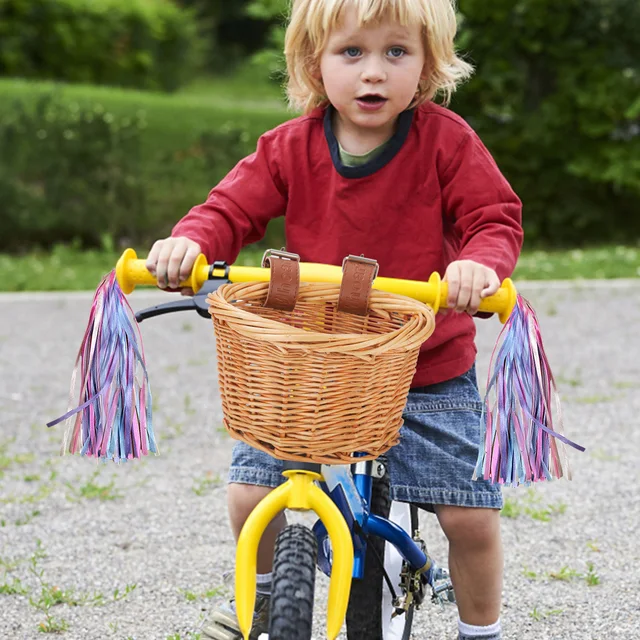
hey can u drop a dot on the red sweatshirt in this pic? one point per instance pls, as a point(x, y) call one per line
point(434, 195)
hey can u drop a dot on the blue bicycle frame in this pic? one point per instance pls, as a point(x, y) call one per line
point(352, 495)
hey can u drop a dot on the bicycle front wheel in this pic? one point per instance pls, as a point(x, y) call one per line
point(370, 611)
point(293, 584)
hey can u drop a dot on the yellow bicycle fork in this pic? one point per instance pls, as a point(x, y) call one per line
point(298, 493)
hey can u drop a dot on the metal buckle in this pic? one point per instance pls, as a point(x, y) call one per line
point(363, 260)
point(286, 255)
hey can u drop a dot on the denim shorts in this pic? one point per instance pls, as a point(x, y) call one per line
point(432, 464)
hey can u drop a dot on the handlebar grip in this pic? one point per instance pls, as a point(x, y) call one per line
point(434, 292)
point(130, 271)
point(502, 302)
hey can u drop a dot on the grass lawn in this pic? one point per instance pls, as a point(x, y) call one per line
point(66, 268)
point(175, 119)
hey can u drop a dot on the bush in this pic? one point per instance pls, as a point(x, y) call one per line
point(271, 59)
point(150, 44)
point(88, 162)
point(68, 172)
point(556, 97)
point(231, 33)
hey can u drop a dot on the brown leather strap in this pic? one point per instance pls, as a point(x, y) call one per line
point(358, 274)
point(284, 281)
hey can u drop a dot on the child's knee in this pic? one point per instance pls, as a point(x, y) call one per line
point(472, 527)
point(243, 499)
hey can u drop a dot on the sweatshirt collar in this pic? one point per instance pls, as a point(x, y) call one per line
point(394, 144)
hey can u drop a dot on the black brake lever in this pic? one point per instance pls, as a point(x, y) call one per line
point(197, 302)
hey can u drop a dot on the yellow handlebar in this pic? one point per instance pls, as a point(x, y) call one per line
point(130, 271)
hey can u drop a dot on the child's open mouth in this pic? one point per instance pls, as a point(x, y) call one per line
point(371, 102)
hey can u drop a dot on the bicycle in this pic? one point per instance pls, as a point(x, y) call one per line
point(371, 547)
point(390, 563)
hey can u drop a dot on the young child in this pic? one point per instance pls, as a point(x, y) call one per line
point(374, 167)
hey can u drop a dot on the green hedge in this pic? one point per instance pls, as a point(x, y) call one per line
point(79, 163)
point(231, 33)
point(150, 44)
point(67, 172)
point(556, 97)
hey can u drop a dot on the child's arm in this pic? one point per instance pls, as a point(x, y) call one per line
point(235, 214)
point(486, 216)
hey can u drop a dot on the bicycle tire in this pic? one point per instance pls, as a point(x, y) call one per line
point(293, 584)
point(369, 611)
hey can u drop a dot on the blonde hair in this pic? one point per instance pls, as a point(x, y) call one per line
point(311, 22)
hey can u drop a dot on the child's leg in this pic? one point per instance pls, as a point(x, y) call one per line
point(252, 475)
point(433, 465)
point(475, 561)
point(242, 499)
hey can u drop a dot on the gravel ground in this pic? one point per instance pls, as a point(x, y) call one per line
point(138, 550)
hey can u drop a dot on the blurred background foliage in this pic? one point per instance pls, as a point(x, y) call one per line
point(148, 44)
point(117, 116)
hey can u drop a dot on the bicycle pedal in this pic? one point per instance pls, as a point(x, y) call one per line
point(443, 594)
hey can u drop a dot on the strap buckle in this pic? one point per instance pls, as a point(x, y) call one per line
point(362, 260)
point(278, 253)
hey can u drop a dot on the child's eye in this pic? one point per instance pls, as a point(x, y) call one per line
point(396, 52)
point(352, 52)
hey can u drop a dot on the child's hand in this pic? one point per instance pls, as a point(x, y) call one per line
point(171, 260)
point(469, 282)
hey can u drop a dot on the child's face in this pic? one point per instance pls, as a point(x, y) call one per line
point(371, 73)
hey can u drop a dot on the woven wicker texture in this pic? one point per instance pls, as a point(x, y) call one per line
point(315, 384)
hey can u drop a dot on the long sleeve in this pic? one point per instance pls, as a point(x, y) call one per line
point(238, 209)
point(485, 212)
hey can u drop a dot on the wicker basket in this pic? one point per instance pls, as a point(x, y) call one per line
point(316, 384)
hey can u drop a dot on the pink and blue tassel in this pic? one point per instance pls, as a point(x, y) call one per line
point(522, 443)
point(113, 417)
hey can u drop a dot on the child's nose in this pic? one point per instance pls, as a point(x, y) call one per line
point(373, 71)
